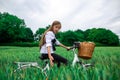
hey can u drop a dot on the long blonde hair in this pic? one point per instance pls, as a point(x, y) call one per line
point(42, 41)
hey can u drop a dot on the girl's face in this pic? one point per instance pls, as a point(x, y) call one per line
point(56, 28)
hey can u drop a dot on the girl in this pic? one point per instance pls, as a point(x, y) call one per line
point(47, 47)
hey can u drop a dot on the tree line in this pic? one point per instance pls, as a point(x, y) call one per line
point(14, 29)
point(100, 36)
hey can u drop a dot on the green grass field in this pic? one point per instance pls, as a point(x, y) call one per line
point(107, 65)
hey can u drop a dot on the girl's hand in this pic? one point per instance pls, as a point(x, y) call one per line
point(51, 60)
point(68, 48)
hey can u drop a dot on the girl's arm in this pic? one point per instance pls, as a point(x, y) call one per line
point(50, 56)
point(64, 46)
point(60, 44)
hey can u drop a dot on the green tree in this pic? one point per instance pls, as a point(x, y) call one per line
point(86, 34)
point(80, 35)
point(12, 29)
point(27, 35)
point(103, 36)
point(69, 37)
point(59, 35)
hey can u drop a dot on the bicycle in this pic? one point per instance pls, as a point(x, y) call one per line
point(76, 60)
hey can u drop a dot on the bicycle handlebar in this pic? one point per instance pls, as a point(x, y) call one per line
point(76, 45)
point(71, 48)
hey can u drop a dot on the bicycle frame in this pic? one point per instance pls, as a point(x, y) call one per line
point(22, 65)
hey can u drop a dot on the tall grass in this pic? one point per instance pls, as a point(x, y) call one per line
point(107, 65)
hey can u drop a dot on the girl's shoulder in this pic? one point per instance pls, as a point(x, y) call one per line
point(50, 33)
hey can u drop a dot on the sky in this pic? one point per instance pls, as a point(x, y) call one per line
point(73, 14)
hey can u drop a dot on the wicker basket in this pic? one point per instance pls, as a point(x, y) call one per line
point(86, 49)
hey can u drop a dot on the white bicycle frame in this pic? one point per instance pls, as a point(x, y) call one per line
point(22, 65)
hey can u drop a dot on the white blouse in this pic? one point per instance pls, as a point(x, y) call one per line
point(48, 38)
